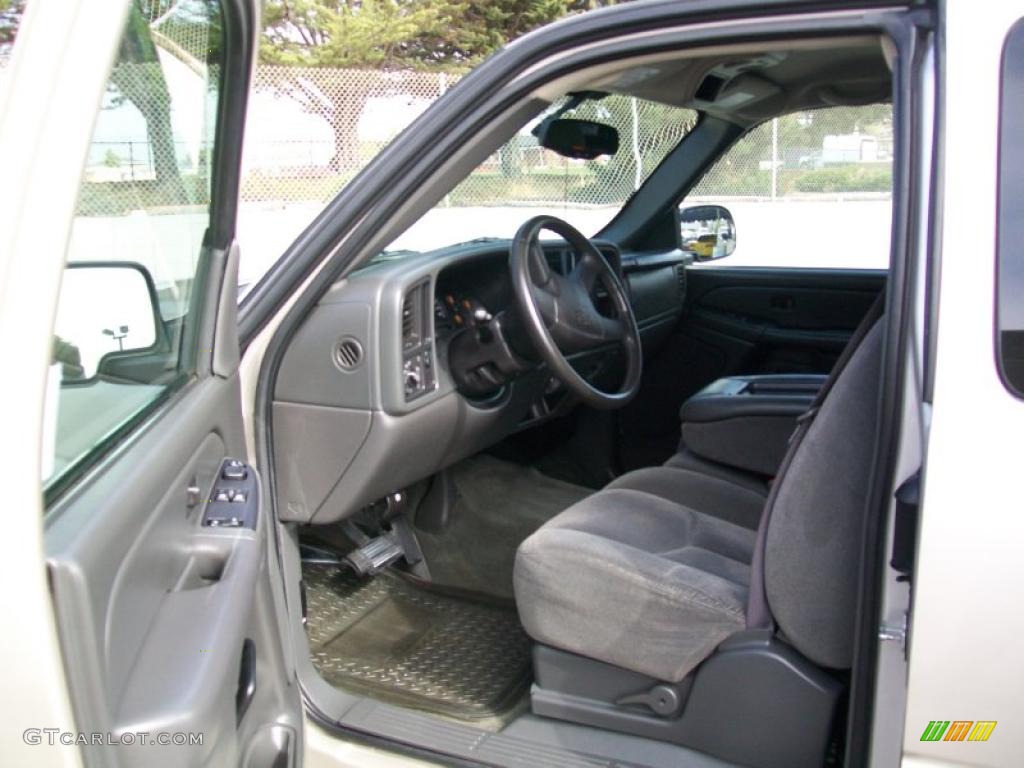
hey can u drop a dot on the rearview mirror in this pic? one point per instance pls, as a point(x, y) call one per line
point(579, 139)
point(708, 231)
point(107, 309)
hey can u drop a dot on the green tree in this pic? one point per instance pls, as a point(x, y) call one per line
point(11, 12)
point(391, 35)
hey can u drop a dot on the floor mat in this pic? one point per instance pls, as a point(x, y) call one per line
point(387, 638)
point(498, 505)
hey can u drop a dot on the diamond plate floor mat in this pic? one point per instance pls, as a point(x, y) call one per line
point(386, 638)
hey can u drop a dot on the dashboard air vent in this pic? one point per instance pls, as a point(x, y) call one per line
point(348, 354)
point(418, 341)
point(411, 319)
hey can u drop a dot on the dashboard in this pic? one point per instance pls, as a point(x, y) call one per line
point(368, 400)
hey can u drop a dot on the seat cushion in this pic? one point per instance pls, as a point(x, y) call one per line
point(686, 459)
point(635, 579)
point(736, 500)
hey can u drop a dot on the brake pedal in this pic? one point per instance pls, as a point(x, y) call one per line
point(374, 556)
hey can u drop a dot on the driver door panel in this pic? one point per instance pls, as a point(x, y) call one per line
point(167, 604)
point(163, 620)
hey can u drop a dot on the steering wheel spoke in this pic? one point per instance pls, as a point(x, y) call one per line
point(546, 299)
point(587, 271)
point(612, 328)
point(540, 271)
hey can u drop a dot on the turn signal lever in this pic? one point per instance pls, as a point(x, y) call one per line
point(481, 359)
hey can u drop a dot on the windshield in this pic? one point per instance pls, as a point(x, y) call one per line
point(522, 179)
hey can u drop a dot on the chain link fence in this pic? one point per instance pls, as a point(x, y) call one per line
point(348, 116)
point(151, 149)
point(836, 151)
point(524, 173)
point(310, 130)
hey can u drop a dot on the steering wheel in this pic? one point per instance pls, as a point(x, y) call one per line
point(560, 316)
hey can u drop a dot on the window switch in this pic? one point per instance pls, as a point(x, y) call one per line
point(235, 486)
point(234, 470)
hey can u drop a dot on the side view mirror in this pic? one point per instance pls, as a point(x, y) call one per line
point(107, 312)
point(579, 139)
point(708, 231)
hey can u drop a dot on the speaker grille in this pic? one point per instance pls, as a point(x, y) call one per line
point(348, 354)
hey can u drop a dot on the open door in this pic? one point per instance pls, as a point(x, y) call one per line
point(156, 539)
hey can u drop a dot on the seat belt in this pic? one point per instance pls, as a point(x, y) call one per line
point(759, 614)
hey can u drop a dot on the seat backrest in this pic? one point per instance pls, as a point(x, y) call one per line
point(814, 522)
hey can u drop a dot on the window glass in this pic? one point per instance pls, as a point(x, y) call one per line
point(335, 83)
point(522, 179)
point(809, 189)
point(135, 243)
point(1010, 225)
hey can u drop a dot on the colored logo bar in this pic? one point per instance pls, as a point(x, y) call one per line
point(958, 730)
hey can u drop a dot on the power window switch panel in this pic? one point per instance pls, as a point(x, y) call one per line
point(222, 494)
point(238, 497)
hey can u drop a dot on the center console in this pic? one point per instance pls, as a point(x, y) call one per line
point(746, 421)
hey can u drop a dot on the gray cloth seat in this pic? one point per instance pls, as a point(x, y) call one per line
point(635, 580)
point(653, 572)
point(688, 460)
point(736, 499)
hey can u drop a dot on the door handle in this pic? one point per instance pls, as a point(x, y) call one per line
point(246, 679)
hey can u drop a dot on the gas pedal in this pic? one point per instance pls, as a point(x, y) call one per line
point(374, 556)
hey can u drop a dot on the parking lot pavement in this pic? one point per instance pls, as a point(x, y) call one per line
point(836, 234)
point(852, 233)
